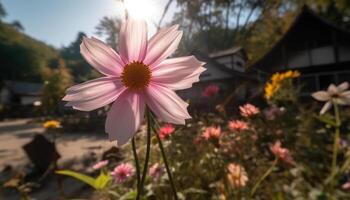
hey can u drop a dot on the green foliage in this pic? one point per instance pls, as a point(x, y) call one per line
point(2, 11)
point(98, 183)
point(57, 80)
point(109, 28)
point(22, 57)
point(82, 177)
point(81, 71)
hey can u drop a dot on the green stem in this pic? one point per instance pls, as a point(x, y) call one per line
point(263, 177)
point(167, 167)
point(336, 143)
point(136, 162)
point(148, 150)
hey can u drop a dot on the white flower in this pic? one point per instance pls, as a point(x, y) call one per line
point(337, 94)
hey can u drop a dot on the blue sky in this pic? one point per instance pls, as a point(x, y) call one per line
point(57, 22)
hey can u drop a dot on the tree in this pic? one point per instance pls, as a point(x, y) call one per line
point(81, 70)
point(109, 28)
point(57, 80)
point(17, 25)
point(2, 11)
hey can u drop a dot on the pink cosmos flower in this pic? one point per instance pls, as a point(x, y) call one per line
point(122, 172)
point(211, 132)
point(210, 91)
point(156, 171)
point(237, 125)
point(100, 165)
point(237, 175)
point(138, 75)
point(346, 186)
point(338, 94)
point(249, 110)
point(166, 130)
point(281, 153)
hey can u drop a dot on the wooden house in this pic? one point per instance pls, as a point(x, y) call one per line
point(316, 47)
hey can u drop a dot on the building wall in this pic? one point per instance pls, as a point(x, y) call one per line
point(5, 97)
point(213, 73)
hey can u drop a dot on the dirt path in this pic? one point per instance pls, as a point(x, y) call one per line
point(14, 134)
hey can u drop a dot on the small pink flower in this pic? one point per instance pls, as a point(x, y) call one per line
point(237, 125)
point(211, 132)
point(346, 186)
point(249, 110)
point(156, 171)
point(166, 130)
point(272, 112)
point(281, 153)
point(197, 140)
point(100, 165)
point(122, 172)
point(210, 91)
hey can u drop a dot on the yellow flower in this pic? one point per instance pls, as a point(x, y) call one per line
point(276, 82)
point(237, 176)
point(296, 74)
point(52, 124)
point(276, 77)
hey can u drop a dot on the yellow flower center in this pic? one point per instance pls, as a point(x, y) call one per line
point(136, 75)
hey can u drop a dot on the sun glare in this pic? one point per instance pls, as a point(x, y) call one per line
point(141, 9)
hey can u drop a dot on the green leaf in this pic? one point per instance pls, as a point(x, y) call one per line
point(82, 177)
point(325, 119)
point(129, 196)
point(102, 180)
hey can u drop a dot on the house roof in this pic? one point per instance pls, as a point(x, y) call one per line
point(209, 60)
point(296, 32)
point(24, 88)
point(226, 52)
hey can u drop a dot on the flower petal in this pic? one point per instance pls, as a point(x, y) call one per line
point(326, 107)
point(124, 117)
point(342, 87)
point(342, 101)
point(321, 96)
point(346, 94)
point(94, 94)
point(133, 40)
point(332, 89)
point(162, 45)
point(166, 104)
point(102, 57)
point(177, 82)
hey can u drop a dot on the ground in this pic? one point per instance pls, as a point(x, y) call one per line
point(72, 147)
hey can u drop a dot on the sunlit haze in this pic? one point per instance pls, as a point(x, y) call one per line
point(58, 22)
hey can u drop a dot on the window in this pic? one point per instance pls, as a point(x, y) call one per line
point(326, 80)
point(342, 77)
point(308, 84)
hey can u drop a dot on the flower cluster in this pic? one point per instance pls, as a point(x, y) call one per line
point(210, 91)
point(281, 153)
point(123, 172)
point(166, 130)
point(237, 125)
point(276, 82)
point(211, 132)
point(237, 176)
point(156, 171)
point(52, 124)
point(100, 165)
point(249, 110)
point(272, 113)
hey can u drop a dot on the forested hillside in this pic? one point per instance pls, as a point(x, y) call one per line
point(22, 57)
